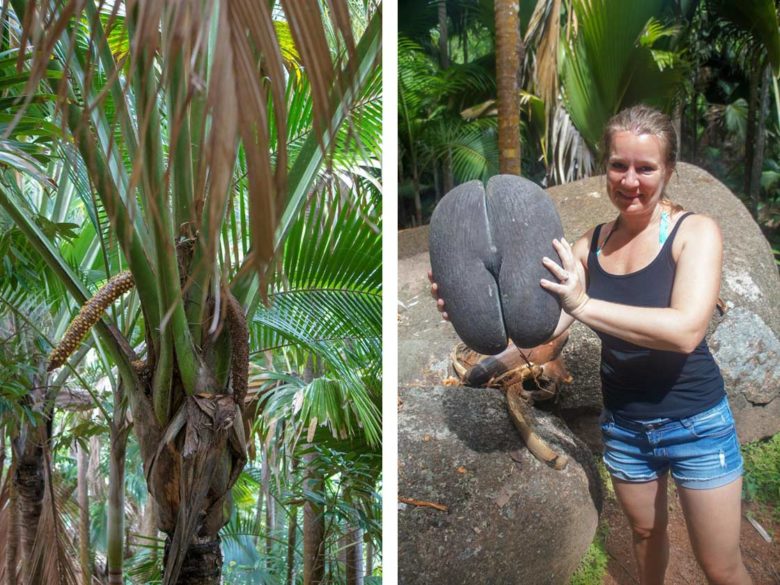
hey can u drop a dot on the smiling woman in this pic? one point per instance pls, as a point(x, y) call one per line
point(647, 284)
point(648, 287)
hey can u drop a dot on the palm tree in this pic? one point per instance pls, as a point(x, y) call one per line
point(167, 109)
point(615, 59)
point(508, 48)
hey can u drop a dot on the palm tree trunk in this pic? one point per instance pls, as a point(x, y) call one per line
point(313, 522)
point(444, 52)
point(202, 562)
point(116, 496)
point(369, 557)
point(12, 546)
point(354, 555)
point(259, 510)
point(444, 61)
point(292, 540)
point(758, 153)
point(269, 504)
point(29, 486)
point(149, 525)
point(507, 67)
point(82, 464)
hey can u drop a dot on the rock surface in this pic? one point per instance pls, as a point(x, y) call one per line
point(510, 519)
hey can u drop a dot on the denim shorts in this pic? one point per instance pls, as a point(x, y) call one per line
point(702, 450)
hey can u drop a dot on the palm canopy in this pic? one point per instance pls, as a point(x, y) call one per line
point(162, 131)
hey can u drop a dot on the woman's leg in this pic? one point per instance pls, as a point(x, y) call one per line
point(645, 505)
point(713, 517)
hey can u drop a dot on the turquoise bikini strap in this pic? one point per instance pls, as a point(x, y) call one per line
point(664, 231)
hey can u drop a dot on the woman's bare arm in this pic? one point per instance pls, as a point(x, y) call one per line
point(695, 291)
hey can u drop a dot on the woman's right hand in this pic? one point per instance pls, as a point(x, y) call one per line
point(435, 295)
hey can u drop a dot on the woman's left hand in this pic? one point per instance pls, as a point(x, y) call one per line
point(571, 288)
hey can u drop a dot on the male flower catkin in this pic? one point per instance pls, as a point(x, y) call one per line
point(89, 314)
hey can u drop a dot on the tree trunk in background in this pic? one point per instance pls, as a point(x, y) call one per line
point(29, 484)
point(444, 51)
point(149, 526)
point(750, 134)
point(259, 508)
point(82, 464)
point(507, 67)
point(369, 557)
point(677, 122)
point(313, 522)
point(12, 546)
point(444, 61)
point(758, 152)
point(269, 504)
point(313, 513)
point(354, 555)
point(116, 492)
point(292, 540)
point(95, 480)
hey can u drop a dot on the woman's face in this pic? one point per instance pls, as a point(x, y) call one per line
point(636, 172)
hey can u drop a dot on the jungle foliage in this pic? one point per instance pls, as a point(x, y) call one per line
point(712, 65)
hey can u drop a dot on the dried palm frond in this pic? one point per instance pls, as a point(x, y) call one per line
point(54, 555)
point(9, 531)
point(544, 32)
point(229, 51)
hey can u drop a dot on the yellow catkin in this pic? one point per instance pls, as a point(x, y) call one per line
point(89, 314)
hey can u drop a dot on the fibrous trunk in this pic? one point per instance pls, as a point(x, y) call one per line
point(202, 563)
point(29, 484)
point(12, 546)
point(758, 153)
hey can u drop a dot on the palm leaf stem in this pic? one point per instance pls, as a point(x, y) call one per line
point(155, 193)
point(129, 238)
point(110, 67)
point(181, 153)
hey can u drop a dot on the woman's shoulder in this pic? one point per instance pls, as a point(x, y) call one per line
point(696, 224)
point(699, 231)
point(582, 244)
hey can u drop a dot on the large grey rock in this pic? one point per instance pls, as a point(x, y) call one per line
point(511, 519)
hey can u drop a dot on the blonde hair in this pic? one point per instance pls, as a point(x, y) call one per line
point(642, 119)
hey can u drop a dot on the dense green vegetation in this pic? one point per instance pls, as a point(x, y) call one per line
point(762, 474)
point(712, 65)
point(221, 421)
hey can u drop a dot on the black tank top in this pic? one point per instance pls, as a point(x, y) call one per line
point(644, 383)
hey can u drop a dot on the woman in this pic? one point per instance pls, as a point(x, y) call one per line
point(647, 284)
